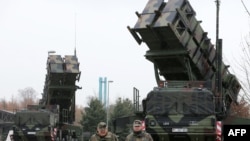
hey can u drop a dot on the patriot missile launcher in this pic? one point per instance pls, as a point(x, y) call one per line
point(195, 88)
point(54, 118)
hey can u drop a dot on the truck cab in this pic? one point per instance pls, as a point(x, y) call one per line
point(180, 114)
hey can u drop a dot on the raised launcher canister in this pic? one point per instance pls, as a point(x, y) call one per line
point(60, 85)
point(60, 89)
point(178, 46)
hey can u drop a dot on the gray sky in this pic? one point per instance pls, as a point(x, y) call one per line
point(105, 48)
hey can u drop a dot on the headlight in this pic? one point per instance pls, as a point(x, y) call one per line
point(152, 123)
point(37, 128)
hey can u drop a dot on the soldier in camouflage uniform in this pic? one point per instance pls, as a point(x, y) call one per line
point(102, 134)
point(138, 134)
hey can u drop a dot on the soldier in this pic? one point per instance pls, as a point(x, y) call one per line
point(102, 134)
point(138, 134)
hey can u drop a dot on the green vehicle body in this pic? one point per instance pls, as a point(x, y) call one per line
point(54, 118)
point(194, 89)
point(180, 114)
point(34, 124)
point(180, 49)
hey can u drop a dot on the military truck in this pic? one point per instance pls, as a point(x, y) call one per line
point(35, 123)
point(195, 88)
point(53, 119)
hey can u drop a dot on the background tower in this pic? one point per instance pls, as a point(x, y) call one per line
point(103, 90)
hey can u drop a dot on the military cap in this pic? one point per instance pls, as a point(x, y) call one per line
point(101, 125)
point(137, 123)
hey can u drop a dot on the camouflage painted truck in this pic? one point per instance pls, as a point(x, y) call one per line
point(35, 123)
point(194, 87)
point(54, 118)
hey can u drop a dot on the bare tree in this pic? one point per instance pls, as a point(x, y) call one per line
point(78, 113)
point(9, 105)
point(28, 96)
point(3, 104)
point(13, 104)
point(244, 63)
point(241, 110)
point(243, 68)
point(245, 7)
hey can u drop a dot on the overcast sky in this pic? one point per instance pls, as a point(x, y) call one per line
point(105, 48)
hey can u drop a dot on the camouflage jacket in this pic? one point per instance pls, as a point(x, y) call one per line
point(144, 136)
point(109, 137)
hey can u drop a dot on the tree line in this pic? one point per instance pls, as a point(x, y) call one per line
point(87, 116)
point(122, 106)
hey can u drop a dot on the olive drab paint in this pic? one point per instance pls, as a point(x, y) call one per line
point(54, 118)
point(183, 106)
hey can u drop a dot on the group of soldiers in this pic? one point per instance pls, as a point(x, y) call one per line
point(102, 133)
point(138, 134)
